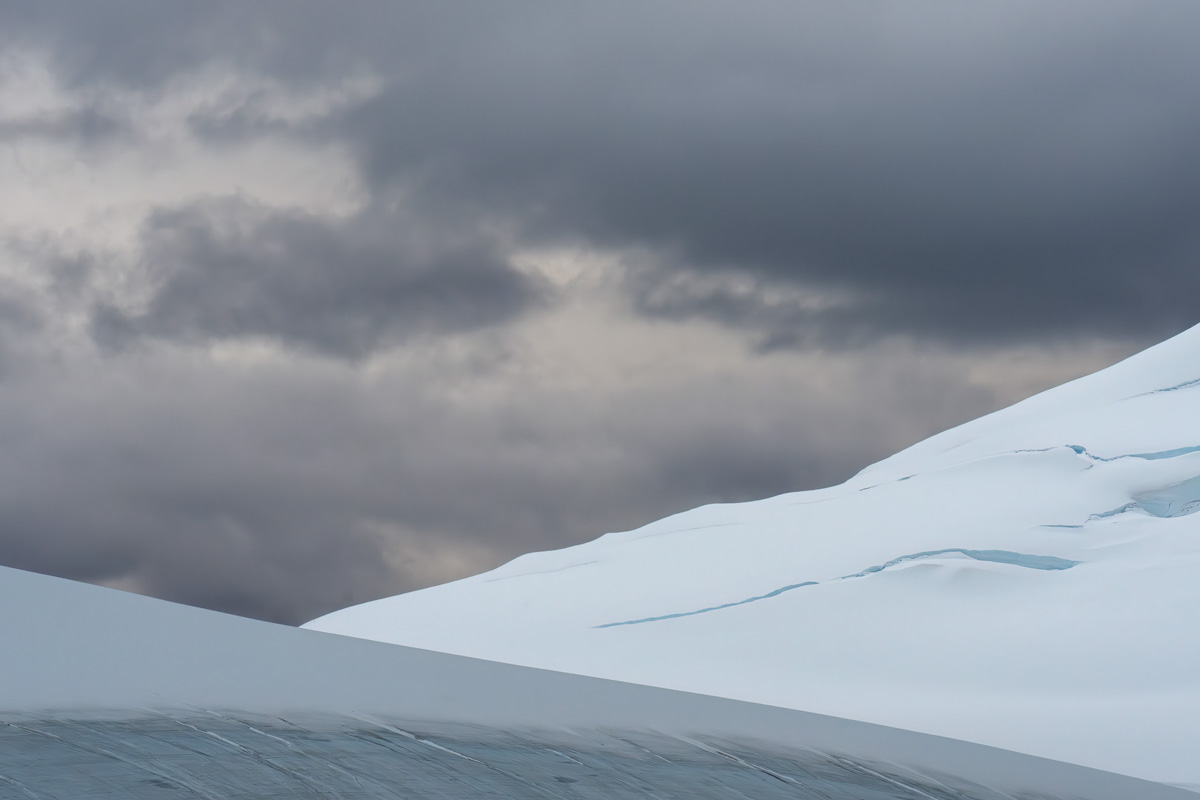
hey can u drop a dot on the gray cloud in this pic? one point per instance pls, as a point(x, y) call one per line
point(989, 173)
point(288, 488)
point(141, 44)
point(164, 484)
point(229, 269)
point(816, 177)
point(20, 320)
point(973, 183)
point(88, 126)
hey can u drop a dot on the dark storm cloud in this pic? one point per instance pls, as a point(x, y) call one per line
point(229, 269)
point(990, 171)
point(1041, 177)
point(145, 44)
point(20, 320)
point(184, 487)
point(286, 490)
point(815, 174)
point(85, 127)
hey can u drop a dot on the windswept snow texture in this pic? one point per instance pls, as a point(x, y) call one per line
point(1028, 580)
point(226, 756)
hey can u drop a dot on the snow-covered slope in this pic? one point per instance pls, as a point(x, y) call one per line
point(106, 694)
point(1029, 580)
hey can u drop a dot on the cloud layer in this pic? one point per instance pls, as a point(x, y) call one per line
point(231, 270)
point(303, 304)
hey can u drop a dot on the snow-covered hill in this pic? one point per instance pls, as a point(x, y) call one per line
point(107, 694)
point(1029, 580)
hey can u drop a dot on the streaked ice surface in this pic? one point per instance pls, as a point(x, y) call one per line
point(210, 756)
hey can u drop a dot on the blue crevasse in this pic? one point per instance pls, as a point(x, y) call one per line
point(1178, 386)
point(1178, 500)
point(996, 556)
point(1154, 456)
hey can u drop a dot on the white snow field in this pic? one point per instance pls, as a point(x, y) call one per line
point(1029, 580)
point(105, 694)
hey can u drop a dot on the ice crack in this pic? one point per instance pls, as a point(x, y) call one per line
point(1025, 560)
point(1155, 456)
point(1177, 387)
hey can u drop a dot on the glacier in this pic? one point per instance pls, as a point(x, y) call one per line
point(1028, 580)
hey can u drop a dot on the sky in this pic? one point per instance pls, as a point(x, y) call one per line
point(304, 304)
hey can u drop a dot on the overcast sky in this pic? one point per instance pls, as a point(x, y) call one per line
point(308, 303)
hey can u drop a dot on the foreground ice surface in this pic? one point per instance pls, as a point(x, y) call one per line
point(1028, 580)
point(108, 694)
point(220, 756)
